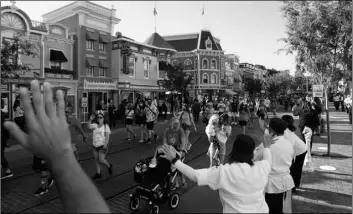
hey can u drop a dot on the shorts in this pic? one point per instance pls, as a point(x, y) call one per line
point(128, 121)
point(243, 123)
point(185, 127)
point(140, 120)
point(97, 149)
point(150, 125)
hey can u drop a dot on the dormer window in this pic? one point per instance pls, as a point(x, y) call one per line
point(208, 44)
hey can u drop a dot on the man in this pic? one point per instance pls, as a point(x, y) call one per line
point(267, 103)
point(111, 113)
point(336, 101)
point(221, 108)
point(196, 109)
point(75, 130)
point(4, 138)
point(151, 118)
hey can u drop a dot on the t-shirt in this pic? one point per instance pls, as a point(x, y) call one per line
point(267, 103)
point(151, 113)
point(99, 134)
point(221, 107)
point(174, 137)
point(129, 114)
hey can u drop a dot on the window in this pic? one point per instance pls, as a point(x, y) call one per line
point(89, 44)
point(102, 47)
point(55, 64)
point(132, 66)
point(196, 63)
point(213, 64)
point(208, 43)
point(175, 62)
point(213, 79)
point(188, 63)
point(102, 72)
point(204, 64)
point(89, 71)
point(205, 78)
point(146, 69)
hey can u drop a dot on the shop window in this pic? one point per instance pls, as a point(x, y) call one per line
point(146, 69)
point(89, 44)
point(70, 102)
point(204, 64)
point(102, 72)
point(205, 78)
point(55, 64)
point(102, 47)
point(213, 64)
point(213, 79)
point(89, 71)
point(132, 66)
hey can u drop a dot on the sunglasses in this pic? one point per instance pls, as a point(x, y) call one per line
point(100, 117)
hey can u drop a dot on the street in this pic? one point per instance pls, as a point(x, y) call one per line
point(321, 191)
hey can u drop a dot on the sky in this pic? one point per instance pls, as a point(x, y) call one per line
point(249, 29)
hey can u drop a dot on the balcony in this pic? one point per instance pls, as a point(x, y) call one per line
point(40, 26)
point(58, 73)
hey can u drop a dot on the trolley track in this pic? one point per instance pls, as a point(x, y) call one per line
point(101, 181)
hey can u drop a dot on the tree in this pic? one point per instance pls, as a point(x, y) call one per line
point(11, 49)
point(278, 84)
point(253, 86)
point(271, 72)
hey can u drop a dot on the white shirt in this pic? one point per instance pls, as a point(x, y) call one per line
point(241, 186)
point(298, 145)
point(130, 114)
point(282, 153)
point(99, 134)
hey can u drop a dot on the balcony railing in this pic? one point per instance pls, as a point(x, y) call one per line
point(41, 26)
point(60, 73)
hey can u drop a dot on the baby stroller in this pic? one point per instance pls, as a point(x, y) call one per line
point(156, 184)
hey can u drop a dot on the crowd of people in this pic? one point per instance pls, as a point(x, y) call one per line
point(258, 175)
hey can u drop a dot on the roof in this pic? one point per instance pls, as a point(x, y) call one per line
point(156, 40)
point(205, 35)
point(184, 45)
point(219, 46)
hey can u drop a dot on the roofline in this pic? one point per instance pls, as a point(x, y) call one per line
point(180, 36)
point(144, 44)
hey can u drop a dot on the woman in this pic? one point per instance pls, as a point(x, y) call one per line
point(244, 116)
point(251, 107)
point(222, 135)
point(241, 182)
point(19, 117)
point(299, 150)
point(140, 115)
point(212, 130)
point(129, 114)
point(186, 120)
point(101, 133)
point(208, 113)
point(279, 180)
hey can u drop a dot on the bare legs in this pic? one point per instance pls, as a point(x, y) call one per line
point(129, 130)
point(99, 158)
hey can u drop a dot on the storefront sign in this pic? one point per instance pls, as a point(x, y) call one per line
point(318, 91)
point(20, 80)
point(84, 102)
point(99, 85)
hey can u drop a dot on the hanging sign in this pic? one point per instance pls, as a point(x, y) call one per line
point(318, 91)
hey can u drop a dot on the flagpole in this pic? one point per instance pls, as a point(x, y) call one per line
point(155, 17)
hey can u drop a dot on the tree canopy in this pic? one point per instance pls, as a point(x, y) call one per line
point(11, 50)
point(176, 79)
point(253, 86)
point(278, 84)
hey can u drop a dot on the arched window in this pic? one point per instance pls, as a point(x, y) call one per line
point(188, 64)
point(213, 78)
point(175, 62)
point(205, 78)
point(204, 64)
point(213, 64)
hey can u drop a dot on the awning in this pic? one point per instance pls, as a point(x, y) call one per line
point(91, 36)
point(91, 62)
point(57, 56)
point(103, 64)
point(103, 38)
point(230, 91)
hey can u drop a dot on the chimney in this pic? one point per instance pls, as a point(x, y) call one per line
point(118, 34)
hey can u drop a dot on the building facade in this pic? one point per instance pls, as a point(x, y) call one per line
point(16, 21)
point(233, 77)
point(91, 26)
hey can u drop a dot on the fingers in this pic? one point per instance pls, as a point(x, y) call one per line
point(61, 105)
point(38, 100)
point(31, 120)
point(49, 104)
point(17, 133)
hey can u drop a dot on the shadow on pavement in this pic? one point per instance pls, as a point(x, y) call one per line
point(310, 207)
point(332, 155)
point(326, 177)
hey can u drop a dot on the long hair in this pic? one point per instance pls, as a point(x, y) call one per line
point(173, 121)
point(290, 122)
point(243, 150)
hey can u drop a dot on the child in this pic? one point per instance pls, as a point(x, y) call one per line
point(212, 129)
point(223, 135)
point(307, 162)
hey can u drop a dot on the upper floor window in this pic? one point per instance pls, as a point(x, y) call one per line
point(213, 64)
point(132, 66)
point(205, 78)
point(89, 71)
point(102, 47)
point(208, 43)
point(89, 44)
point(55, 64)
point(188, 63)
point(175, 62)
point(213, 79)
point(146, 69)
point(102, 72)
point(204, 64)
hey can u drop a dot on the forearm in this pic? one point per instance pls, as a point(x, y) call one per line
point(186, 170)
point(267, 155)
point(78, 193)
point(89, 124)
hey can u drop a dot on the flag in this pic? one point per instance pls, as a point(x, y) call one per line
point(203, 9)
point(155, 11)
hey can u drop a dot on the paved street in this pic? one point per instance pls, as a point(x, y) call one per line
point(322, 191)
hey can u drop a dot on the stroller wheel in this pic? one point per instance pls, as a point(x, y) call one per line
point(174, 200)
point(134, 203)
point(154, 209)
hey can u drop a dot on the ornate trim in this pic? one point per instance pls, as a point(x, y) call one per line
point(87, 85)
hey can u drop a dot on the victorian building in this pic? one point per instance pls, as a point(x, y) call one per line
point(232, 74)
point(91, 26)
point(14, 21)
point(200, 54)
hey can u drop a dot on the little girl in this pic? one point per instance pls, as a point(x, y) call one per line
point(212, 130)
point(223, 135)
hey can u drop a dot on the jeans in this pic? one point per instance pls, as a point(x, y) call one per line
point(112, 121)
point(297, 168)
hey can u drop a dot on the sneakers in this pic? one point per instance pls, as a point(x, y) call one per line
point(97, 176)
point(7, 175)
point(41, 191)
point(50, 182)
point(148, 141)
point(141, 141)
point(110, 169)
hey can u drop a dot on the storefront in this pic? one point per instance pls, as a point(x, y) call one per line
point(69, 87)
point(92, 94)
point(134, 92)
